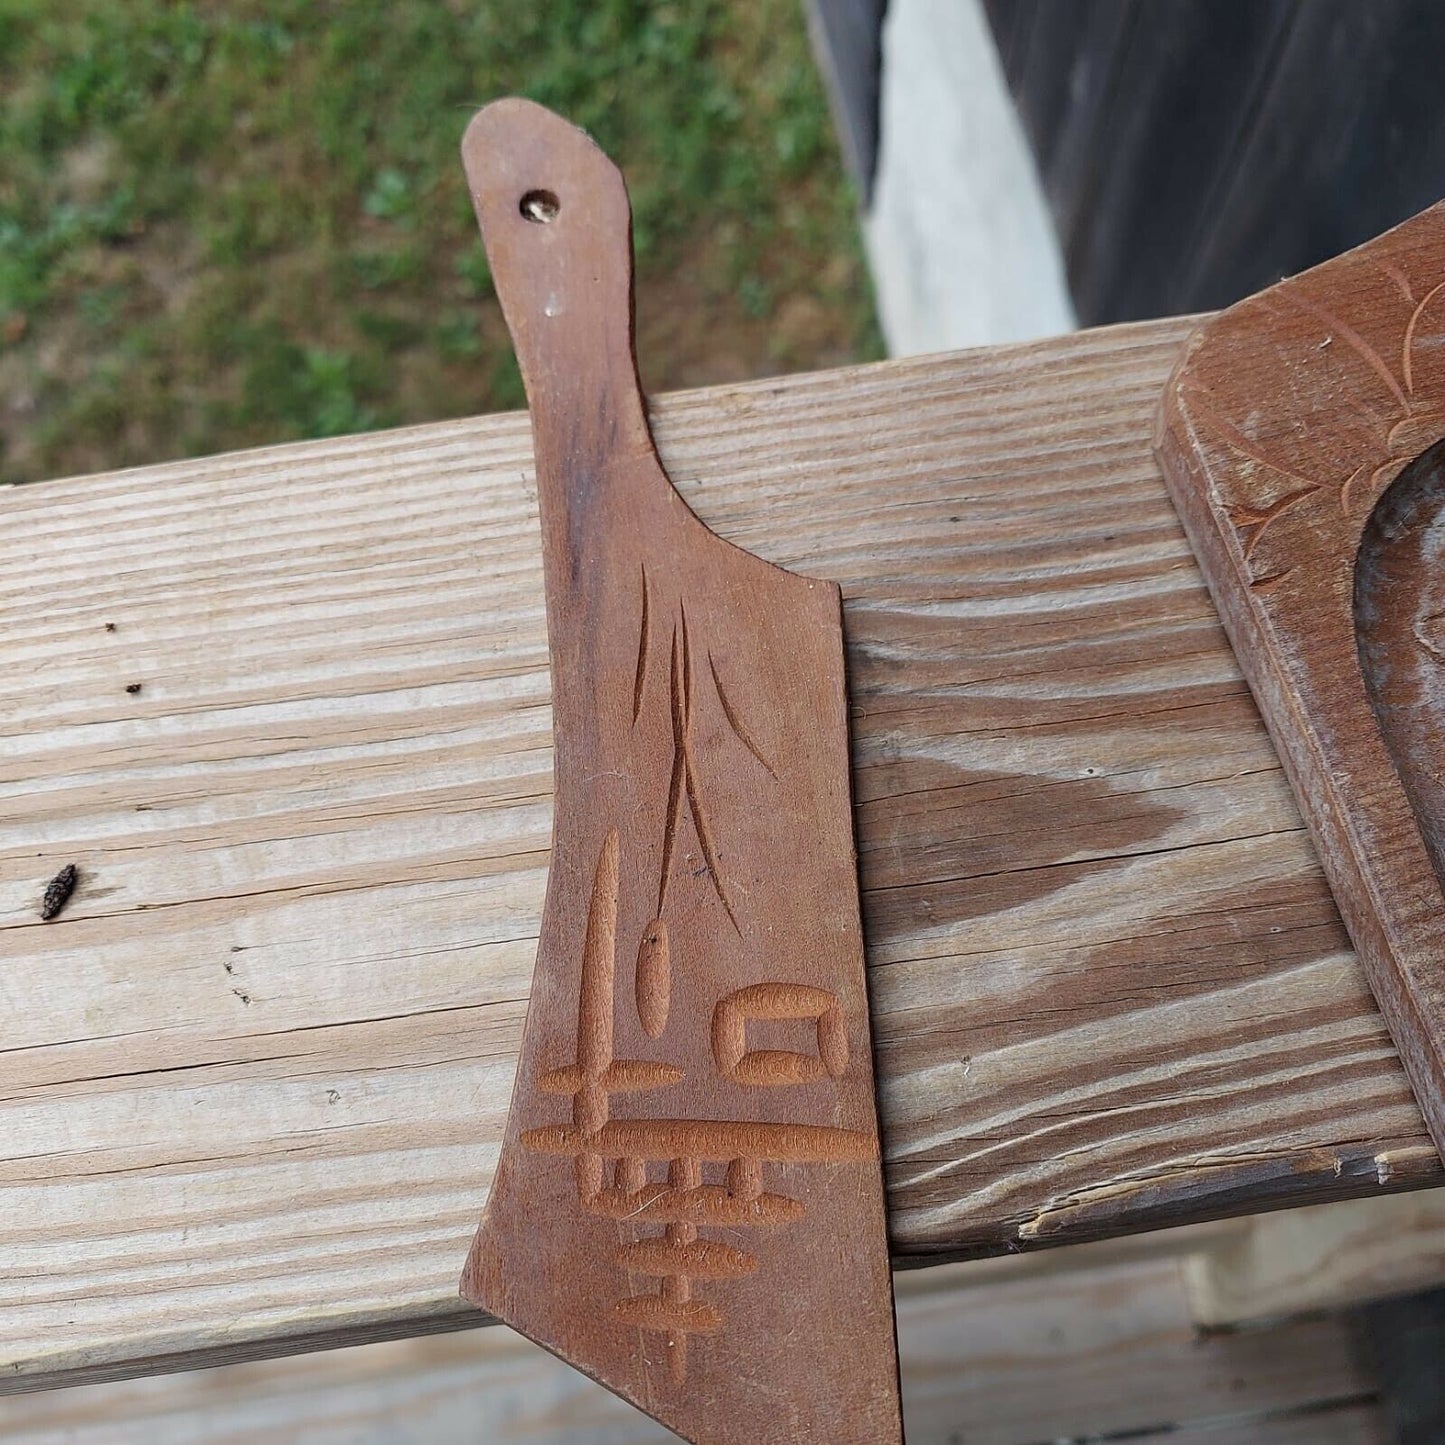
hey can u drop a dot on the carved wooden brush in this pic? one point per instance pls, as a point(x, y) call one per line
point(689, 1201)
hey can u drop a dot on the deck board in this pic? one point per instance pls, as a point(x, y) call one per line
point(253, 1079)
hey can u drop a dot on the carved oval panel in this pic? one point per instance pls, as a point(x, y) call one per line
point(1399, 605)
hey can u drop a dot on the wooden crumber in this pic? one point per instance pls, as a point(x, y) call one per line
point(689, 1201)
point(1300, 440)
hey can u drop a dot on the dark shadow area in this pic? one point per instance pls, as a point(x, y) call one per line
point(1403, 1342)
point(1196, 151)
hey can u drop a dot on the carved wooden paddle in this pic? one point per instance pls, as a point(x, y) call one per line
point(689, 1201)
point(1301, 440)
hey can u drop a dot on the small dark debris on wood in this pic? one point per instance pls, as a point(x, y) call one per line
point(132, 688)
point(244, 997)
point(110, 626)
point(58, 891)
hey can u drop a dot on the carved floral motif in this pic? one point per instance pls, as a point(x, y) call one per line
point(1364, 377)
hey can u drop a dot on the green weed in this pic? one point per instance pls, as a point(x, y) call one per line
point(231, 223)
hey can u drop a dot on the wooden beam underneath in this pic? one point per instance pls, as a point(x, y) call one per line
point(287, 711)
point(1104, 1350)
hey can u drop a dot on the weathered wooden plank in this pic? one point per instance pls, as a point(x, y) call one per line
point(989, 1355)
point(1348, 1424)
point(253, 1078)
point(454, 1389)
point(1100, 1353)
point(1194, 152)
point(1327, 1257)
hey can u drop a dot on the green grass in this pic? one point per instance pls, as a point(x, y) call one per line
point(226, 224)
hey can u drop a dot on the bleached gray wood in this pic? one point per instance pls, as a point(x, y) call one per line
point(253, 1078)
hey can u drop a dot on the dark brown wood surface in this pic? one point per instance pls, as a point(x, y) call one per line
point(1195, 151)
point(1299, 440)
point(689, 1201)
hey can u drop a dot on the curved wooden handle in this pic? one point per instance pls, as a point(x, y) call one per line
point(702, 828)
point(557, 225)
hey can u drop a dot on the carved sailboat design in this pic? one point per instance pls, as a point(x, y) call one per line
point(689, 1201)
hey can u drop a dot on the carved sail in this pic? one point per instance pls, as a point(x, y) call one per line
point(689, 1201)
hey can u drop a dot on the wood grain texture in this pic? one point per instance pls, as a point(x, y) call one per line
point(1327, 1257)
point(253, 1079)
point(1101, 1353)
point(990, 1355)
point(1299, 438)
point(689, 1200)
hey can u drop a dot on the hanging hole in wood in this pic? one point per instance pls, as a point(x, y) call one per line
point(540, 207)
